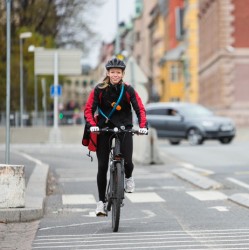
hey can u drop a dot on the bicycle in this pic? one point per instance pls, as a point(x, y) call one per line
point(115, 187)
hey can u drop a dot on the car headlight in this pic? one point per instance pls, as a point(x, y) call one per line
point(208, 124)
point(227, 127)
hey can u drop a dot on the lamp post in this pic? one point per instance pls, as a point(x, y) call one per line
point(32, 48)
point(8, 61)
point(21, 37)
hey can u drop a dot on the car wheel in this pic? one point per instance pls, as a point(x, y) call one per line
point(225, 140)
point(194, 137)
point(174, 142)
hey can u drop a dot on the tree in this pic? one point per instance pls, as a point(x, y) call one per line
point(53, 23)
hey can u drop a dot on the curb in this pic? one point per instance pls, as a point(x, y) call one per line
point(197, 179)
point(34, 198)
point(240, 198)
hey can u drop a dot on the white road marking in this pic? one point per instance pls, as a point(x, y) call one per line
point(77, 179)
point(77, 199)
point(207, 195)
point(192, 167)
point(92, 214)
point(30, 158)
point(144, 197)
point(153, 176)
point(240, 183)
point(196, 239)
point(71, 210)
point(242, 173)
point(220, 208)
point(149, 213)
point(160, 188)
point(91, 223)
point(171, 232)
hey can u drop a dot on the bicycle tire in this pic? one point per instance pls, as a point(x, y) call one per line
point(118, 195)
point(108, 196)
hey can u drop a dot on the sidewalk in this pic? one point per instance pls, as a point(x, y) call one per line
point(34, 198)
point(16, 235)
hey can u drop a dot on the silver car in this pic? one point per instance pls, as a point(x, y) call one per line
point(177, 121)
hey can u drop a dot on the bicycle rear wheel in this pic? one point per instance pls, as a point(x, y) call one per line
point(118, 189)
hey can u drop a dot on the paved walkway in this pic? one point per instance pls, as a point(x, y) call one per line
point(17, 236)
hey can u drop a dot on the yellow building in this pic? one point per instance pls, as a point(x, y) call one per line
point(191, 54)
point(171, 67)
point(172, 79)
point(179, 64)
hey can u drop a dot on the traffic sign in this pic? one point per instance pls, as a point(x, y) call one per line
point(68, 61)
point(55, 90)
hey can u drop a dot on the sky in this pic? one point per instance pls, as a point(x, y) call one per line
point(106, 22)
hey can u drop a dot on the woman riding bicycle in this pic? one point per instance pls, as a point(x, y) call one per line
point(104, 97)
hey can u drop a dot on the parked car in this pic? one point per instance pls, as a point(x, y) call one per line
point(177, 121)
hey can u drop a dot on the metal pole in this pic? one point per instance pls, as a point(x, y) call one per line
point(36, 99)
point(21, 83)
point(8, 32)
point(55, 87)
point(44, 99)
point(117, 43)
point(45, 105)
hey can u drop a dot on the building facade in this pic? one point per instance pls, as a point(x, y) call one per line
point(190, 56)
point(172, 77)
point(224, 57)
point(142, 47)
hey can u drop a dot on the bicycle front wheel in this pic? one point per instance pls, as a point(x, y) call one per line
point(118, 189)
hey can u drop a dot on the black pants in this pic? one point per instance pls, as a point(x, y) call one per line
point(103, 150)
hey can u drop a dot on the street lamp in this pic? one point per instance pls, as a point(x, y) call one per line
point(21, 37)
point(32, 48)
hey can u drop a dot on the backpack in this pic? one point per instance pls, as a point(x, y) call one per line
point(89, 139)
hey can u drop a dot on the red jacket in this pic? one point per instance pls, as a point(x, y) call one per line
point(104, 98)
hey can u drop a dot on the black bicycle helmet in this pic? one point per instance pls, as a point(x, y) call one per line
point(115, 63)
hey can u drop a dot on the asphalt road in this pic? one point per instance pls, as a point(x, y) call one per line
point(165, 212)
point(227, 164)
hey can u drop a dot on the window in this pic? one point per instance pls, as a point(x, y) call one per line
point(179, 23)
point(174, 73)
point(84, 83)
point(157, 111)
point(175, 99)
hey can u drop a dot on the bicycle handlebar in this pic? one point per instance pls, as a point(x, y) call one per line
point(117, 130)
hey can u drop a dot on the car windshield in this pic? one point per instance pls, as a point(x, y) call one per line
point(195, 111)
